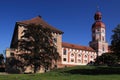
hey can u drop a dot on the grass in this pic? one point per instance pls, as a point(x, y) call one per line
point(72, 73)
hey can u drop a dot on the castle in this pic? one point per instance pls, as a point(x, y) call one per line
point(71, 54)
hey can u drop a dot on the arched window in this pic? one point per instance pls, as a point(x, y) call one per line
point(72, 55)
point(79, 55)
point(85, 56)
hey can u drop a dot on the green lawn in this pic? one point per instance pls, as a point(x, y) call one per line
point(73, 73)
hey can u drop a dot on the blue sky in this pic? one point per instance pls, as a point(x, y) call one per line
point(73, 17)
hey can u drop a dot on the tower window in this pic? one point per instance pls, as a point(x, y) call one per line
point(103, 48)
point(103, 31)
point(103, 38)
point(98, 29)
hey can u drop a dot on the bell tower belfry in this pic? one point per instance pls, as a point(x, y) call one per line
point(99, 35)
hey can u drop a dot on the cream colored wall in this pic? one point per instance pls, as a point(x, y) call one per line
point(20, 31)
point(76, 56)
point(59, 46)
point(59, 41)
point(100, 48)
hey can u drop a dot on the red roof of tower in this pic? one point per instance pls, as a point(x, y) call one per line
point(98, 24)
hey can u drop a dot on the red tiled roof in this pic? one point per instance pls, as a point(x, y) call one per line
point(98, 24)
point(74, 46)
point(39, 21)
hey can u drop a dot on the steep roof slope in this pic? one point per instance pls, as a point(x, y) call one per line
point(39, 21)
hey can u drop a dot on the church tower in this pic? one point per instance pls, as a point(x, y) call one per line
point(98, 42)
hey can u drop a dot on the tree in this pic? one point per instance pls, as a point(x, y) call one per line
point(1, 59)
point(2, 63)
point(115, 43)
point(37, 47)
point(14, 65)
point(107, 59)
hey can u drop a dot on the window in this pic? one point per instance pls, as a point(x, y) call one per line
point(72, 55)
point(103, 38)
point(85, 61)
point(79, 61)
point(85, 56)
point(11, 54)
point(64, 59)
point(98, 29)
point(103, 31)
point(79, 55)
point(64, 51)
point(103, 48)
point(91, 56)
point(55, 40)
point(72, 60)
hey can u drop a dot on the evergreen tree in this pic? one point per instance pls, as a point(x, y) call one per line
point(38, 48)
point(115, 43)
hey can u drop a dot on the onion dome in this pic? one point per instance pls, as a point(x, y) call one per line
point(98, 16)
point(98, 22)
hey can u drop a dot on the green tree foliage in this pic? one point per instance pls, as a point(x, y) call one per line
point(14, 65)
point(107, 59)
point(115, 43)
point(37, 47)
point(2, 63)
point(1, 59)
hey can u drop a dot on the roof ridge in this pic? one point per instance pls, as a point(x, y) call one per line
point(39, 21)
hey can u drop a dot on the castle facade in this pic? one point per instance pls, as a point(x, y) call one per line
point(71, 54)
